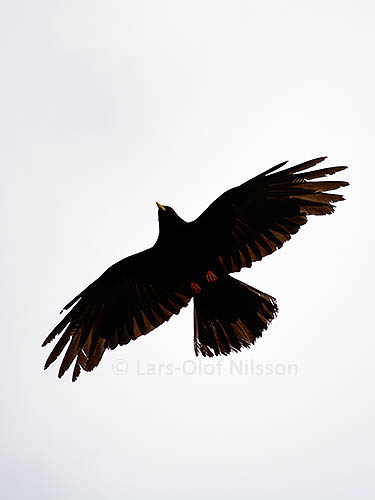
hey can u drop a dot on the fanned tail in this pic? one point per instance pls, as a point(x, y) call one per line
point(230, 315)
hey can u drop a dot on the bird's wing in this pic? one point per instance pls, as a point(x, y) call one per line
point(256, 218)
point(129, 300)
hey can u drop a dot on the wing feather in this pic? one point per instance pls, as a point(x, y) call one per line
point(126, 302)
point(256, 218)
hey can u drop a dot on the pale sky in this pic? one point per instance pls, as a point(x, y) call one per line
point(108, 106)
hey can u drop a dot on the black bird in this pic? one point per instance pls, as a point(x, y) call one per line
point(195, 259)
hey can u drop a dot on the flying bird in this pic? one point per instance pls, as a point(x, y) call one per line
point(195, 260)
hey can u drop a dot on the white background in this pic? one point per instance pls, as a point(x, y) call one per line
point(107, 106)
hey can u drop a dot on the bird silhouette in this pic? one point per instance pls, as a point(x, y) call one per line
point(195, 260)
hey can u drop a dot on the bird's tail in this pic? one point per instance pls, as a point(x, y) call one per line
point(230, 315)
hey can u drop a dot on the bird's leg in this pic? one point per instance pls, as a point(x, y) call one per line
point(196, 288)
point(211, 277)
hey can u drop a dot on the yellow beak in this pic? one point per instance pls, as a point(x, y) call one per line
point(161, 206)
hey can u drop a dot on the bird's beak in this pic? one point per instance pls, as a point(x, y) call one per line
point(161, 206)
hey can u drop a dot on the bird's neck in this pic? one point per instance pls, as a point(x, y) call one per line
point(170, 229)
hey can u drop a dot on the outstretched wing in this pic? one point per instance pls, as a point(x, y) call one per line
point(129, 300)
point(256, 218)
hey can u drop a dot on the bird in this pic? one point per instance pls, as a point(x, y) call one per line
point(194, 261)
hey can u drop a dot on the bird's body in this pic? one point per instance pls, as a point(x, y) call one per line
point(195, 259)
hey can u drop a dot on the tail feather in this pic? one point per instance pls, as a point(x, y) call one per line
point(230, 315)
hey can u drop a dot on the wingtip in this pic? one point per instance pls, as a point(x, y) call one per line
point(272, 169)
point(48, 339)
point(279, 165)
point(319, 159)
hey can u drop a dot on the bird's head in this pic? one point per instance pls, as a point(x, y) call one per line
point(165, 212)
point(168, 219)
